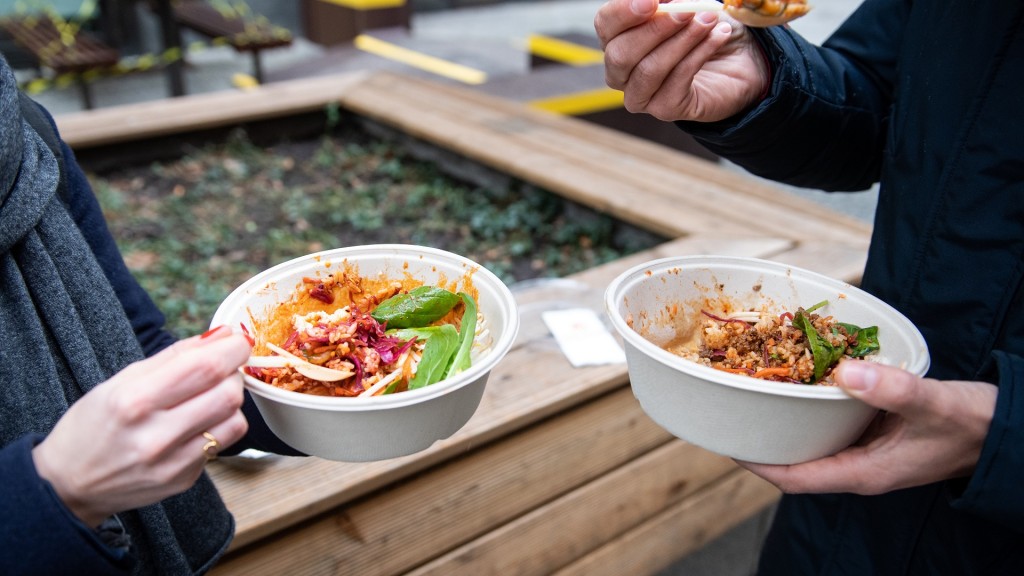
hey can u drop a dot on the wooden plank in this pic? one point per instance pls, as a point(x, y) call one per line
point(840, 261)
point(197, 112)
point(493, 112)
point(533, 382)
point(556, 534)
point(641, 182)
point(680, 530)
point(399, 528)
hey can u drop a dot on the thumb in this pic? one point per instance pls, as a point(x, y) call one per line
point(881, 386)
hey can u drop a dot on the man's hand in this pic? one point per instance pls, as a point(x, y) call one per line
point(703, 67)
point(929, 430)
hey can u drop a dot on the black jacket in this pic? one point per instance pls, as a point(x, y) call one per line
point(926, 98)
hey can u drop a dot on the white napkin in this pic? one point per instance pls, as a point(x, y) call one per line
point(583, 338)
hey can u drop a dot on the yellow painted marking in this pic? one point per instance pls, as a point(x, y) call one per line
point(415, 59)
point(564, 52)
point(579, 103)
point(244, 81)
point(367, 4)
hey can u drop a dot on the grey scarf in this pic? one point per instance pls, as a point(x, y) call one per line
point(63, 331)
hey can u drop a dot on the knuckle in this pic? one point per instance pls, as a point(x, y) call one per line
point(131, 408)
point(904, 388)
point(211, 364)
point(229, 396)
point(599, 25)
point(238, 426)
point(611, 81)
point(632, 107)
point(615, 59)
point(214, 367)
point(634, 104)
point(662, 113)
point(643, 72)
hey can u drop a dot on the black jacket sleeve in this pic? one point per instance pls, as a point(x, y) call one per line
point(993, 491)
point(823, 123)
point(39, 535)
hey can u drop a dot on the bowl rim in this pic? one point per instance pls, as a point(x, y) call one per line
point(502, 343)
point(706, 373)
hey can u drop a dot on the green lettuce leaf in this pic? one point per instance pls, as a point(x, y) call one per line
point(867, 340)
point(824, 353)
point(441, 344)
point(461, 360)
point(418, 307)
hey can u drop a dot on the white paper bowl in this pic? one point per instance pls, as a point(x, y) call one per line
point(734, 415)
point(379, 427)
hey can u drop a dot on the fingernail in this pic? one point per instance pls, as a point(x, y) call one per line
point(210, 332)
point(248, 337)
point(681, 17)
point(706, 17)
point(858, 376)
point(640, 6)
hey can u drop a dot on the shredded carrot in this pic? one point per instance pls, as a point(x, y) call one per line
point(769, 372)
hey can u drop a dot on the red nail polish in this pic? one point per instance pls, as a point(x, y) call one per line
point(210, 331)
point(245, 332)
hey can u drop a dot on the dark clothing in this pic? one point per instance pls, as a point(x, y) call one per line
point(925, 98)
point(65, 330)
point(73, 315)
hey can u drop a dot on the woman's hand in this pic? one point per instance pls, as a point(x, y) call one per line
point(138, 437)
point(703, 67)
point(930, 430)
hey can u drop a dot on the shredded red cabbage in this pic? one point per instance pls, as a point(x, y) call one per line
point(357, 386)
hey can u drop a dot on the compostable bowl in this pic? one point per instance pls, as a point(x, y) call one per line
point(738, 416)
point(378, 427)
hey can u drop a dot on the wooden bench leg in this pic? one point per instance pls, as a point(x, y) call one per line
point(170, 34)
point(84, 88)
point(257, 66)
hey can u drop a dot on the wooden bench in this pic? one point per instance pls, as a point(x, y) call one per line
point(559, 471)
point(62, 47)
point(243, 32)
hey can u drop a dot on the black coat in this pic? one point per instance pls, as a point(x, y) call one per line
point(926, 98)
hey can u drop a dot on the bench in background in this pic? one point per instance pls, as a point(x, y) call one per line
point(244, 32)
point(62, 47)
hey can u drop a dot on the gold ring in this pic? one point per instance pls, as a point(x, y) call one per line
point(211, 447)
